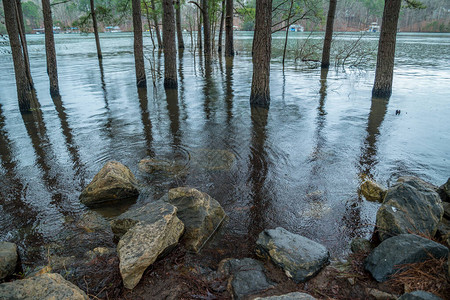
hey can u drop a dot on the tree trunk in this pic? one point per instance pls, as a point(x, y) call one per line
point(199, 32)
point(260, 92)
point(328, 35)
point(179, 30)
point(206, 29)
point(94, 22)
point(25, 93)
point(386, 50)
point(141, 80)
point(52, 70)
point(155, 21)
point(229, 47)
point(170, 51)
point(21, 28)
point(222, 20)
point(287, 31)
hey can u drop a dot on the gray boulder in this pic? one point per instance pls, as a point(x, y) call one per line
point(419, 295)
point(300, 257)
point(410, 206)
point(399, 250)
point(290, 296)
point(246, 277)
point(200, 213)
point(45, 286)
point(444, 191)
point(146, 238)
point(114, 182)
point(8, 259)
point(372, 191)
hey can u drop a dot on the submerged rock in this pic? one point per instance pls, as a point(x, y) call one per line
point(300, 257)
point(290, 296)
point(372, 191)
point(385, 259)
point(410, 206)
point(114, 182)
point(212, 159)
point(200, 213)
point(8, 259)
point(154, 165)
point(419, 295)
point(246, 277)
point(44, 286)
point(146, 233)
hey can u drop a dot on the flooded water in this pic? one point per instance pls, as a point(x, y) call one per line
point(297, 165)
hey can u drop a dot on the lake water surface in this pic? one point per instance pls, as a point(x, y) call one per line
point(297, 165)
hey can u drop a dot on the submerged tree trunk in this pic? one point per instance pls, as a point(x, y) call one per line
point(260, 92)
point(94, 22)
point(199, 32)
point(170, 52)
point(25, 93)
point(229, 46)
point(206, 29)
point(179, 30)
point(141, 80)
point(386, 50)
point(52, 69)
point(328, 35)
point(222, 19)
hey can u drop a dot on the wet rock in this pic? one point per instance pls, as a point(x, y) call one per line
point(8, 259)
point(290, 296)
point(446, 206)
point(360, 245)
point(444, 230)
point(300, 257)
point(398, 250)
point(154, 165)
point(444, 191)
point(372, 191)
point(114, 182)
point(410, 206)
point(99, 251)
point(419, 181)
point(44, 286)
point(200, 213)
point(419, 295)
point(380, 295)
point(212, 159)
point(146, 239)
point(92, 221)
point(246, 277)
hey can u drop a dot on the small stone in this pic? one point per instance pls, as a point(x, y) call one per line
point(380, 295)
point(360, 245)
point(419, 295)
point(8, 259)
point(372, 191)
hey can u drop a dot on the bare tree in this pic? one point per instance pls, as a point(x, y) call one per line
point(222, 19)
point(229, 46)
point(97, 38)
point(52, 69)
point(178, 20)
point(206, 29)
point(262, 41)
point(141, 80)
point(328, 35)
point(170, 51)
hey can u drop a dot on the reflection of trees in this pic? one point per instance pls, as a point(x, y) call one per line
point(229, 87)
point(259, 168)
point(368, 159)
point(146, 121)
point(174, 115)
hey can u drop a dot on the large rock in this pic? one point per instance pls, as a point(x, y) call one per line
point(419, 295)
point(45, 286)
point(385, 259)
point(114, 182)
point(290, 296)
point(410, 206)
point(372, 191)
point(200, 213)
point(8, 259)
point(246, 277)
point(444, 191)
point(145, 239)
point(300, 257)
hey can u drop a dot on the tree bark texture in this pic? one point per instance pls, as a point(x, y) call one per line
point(155, 21)
point(384, 72)
point(141, 80)
point(24, 86)
point(199, 32)
point(50, 52)
point(229, 45)
point(21, 28)
point(170, 51)
point(260, 91)
point(94, 22)
point(222, 20)
point(206, 29)
point(328, 35)
point(178, 20)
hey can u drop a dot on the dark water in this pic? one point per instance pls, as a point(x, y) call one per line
point(297, 165)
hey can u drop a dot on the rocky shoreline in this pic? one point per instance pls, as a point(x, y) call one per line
point(413, 216)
